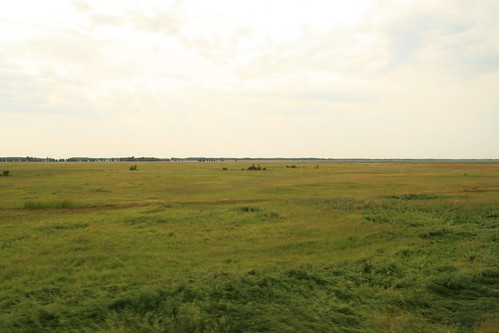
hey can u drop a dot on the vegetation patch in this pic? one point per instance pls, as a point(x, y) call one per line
point(254, 301)
point(247, 209)
point(52, 204)
point(99, 190)
point(261, 214)
point(413, 196)
point(146, 220)
point(69, 226)
point(255, 168)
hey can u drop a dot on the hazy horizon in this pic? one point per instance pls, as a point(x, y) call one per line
point(140, 158)
point(327, 79)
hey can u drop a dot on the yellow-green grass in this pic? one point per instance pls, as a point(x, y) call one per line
point(188, 246)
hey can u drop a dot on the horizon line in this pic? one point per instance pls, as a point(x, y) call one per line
point(213, 159)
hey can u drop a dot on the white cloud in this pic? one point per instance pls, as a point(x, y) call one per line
point(261, 78)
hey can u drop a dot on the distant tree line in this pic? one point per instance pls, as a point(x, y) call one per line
point(84, 159)
point(219, 159)
point(210, 160)
point(30, 159)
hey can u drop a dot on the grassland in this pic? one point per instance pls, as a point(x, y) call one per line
point(191, 247)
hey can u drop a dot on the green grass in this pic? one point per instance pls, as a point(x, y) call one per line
point(52, 204)
point(190, 247)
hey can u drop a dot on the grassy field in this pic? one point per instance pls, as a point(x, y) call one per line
point(191, 247)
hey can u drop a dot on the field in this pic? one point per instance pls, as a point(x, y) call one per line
point(298, 247)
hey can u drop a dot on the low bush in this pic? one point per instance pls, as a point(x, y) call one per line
point(249, 209)
point(257, 168)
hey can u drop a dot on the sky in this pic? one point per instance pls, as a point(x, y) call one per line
point(259, 78)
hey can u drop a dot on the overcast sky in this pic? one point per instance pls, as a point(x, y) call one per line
point(259, 78)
